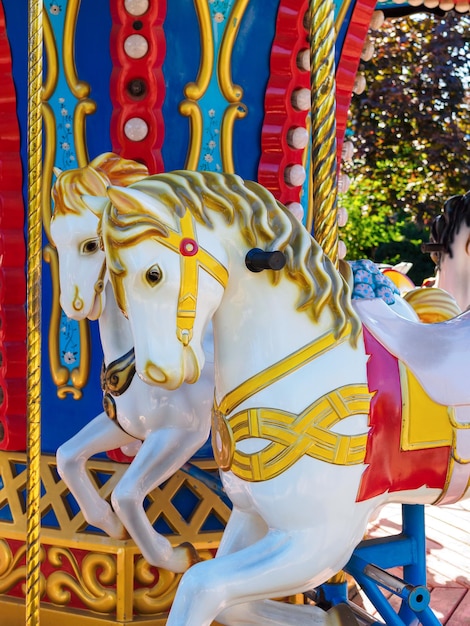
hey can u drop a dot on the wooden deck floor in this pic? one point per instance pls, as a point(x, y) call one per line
point(448, 559)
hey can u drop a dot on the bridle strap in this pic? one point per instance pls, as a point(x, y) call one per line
point(192, 256)
point(281, 369)
point(99, 284)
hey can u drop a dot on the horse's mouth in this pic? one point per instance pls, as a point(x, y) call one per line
point(189, 373)
point(155, 375)
point(96, 309)
point(192, 369)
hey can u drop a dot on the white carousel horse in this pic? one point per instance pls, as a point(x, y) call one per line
point(319, 416)
point(450, 248)
point(171, 426)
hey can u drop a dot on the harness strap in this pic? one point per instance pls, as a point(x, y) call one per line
point(99, 284)
point(118, 375)
point(292, 436)
point(279, 370)
point(192, 257)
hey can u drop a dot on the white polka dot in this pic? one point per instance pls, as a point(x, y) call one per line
point(136, 129)
point(136, 46)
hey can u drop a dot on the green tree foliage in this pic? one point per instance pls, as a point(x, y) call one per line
point(411, 131)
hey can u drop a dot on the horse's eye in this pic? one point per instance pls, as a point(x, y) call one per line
point(90, 246)
point(154, 275)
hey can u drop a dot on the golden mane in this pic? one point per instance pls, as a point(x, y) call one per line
point(92, 180)
point(263, 223)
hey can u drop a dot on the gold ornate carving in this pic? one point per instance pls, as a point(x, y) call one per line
point(83, 108)
point(49, 157)
point(11, 570)
point(195, 91)
point(105, 475)
point(79, 88)
point(191, 110)
point(231, 92)
point(159, 590)
point(232, 113)
point(91, 580)
point(52, 59)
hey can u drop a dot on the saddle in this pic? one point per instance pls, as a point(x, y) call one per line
point(437, 354)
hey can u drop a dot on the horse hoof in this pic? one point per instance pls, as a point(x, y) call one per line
point(190, 554)
point(341, 615)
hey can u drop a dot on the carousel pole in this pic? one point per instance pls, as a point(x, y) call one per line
point(323, 121)
point(323, 153)
point(33, 543)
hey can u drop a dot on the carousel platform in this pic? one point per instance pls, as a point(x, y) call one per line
point(448, 559)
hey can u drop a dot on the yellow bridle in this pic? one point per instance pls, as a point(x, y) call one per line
point(192, 257)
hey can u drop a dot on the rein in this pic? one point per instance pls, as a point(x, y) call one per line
point(99, 284)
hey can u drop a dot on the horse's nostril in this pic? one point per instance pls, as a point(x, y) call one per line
point(155, 374)
point(77, 301)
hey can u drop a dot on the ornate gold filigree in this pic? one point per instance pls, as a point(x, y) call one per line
point(231, 92)
point(11, 572)
point(79, 88)
point(83, 108)
point(195, 91)
point(192, 110)
point(91, 581)
point(52, 59)
point(233, 112)
point(48, 164)
point(159, 591)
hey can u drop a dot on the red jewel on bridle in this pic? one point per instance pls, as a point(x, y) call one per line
point(188, 247)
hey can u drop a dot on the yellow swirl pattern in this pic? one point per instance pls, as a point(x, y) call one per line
point(52, 58)
point(79, 88)
point(91, 580)
point(195, 91)
point(231, 92)
point(233, 112)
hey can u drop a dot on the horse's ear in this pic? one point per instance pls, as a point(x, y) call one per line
point(95, 204)
point(57, 171)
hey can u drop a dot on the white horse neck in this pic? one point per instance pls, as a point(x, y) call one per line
point(259, 323)
point(115, 332)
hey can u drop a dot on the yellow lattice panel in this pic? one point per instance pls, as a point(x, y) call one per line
point(96, 580)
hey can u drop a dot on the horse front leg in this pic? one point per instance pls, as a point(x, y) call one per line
point(162, 453)
point(99, 435)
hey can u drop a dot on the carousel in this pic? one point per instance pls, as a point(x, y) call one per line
point(172, 281)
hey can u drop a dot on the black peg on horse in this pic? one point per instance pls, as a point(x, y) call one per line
point(258, 260)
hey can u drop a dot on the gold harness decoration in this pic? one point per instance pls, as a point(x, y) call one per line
point(291, 436)
point(115, 379)
point(192, 256)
